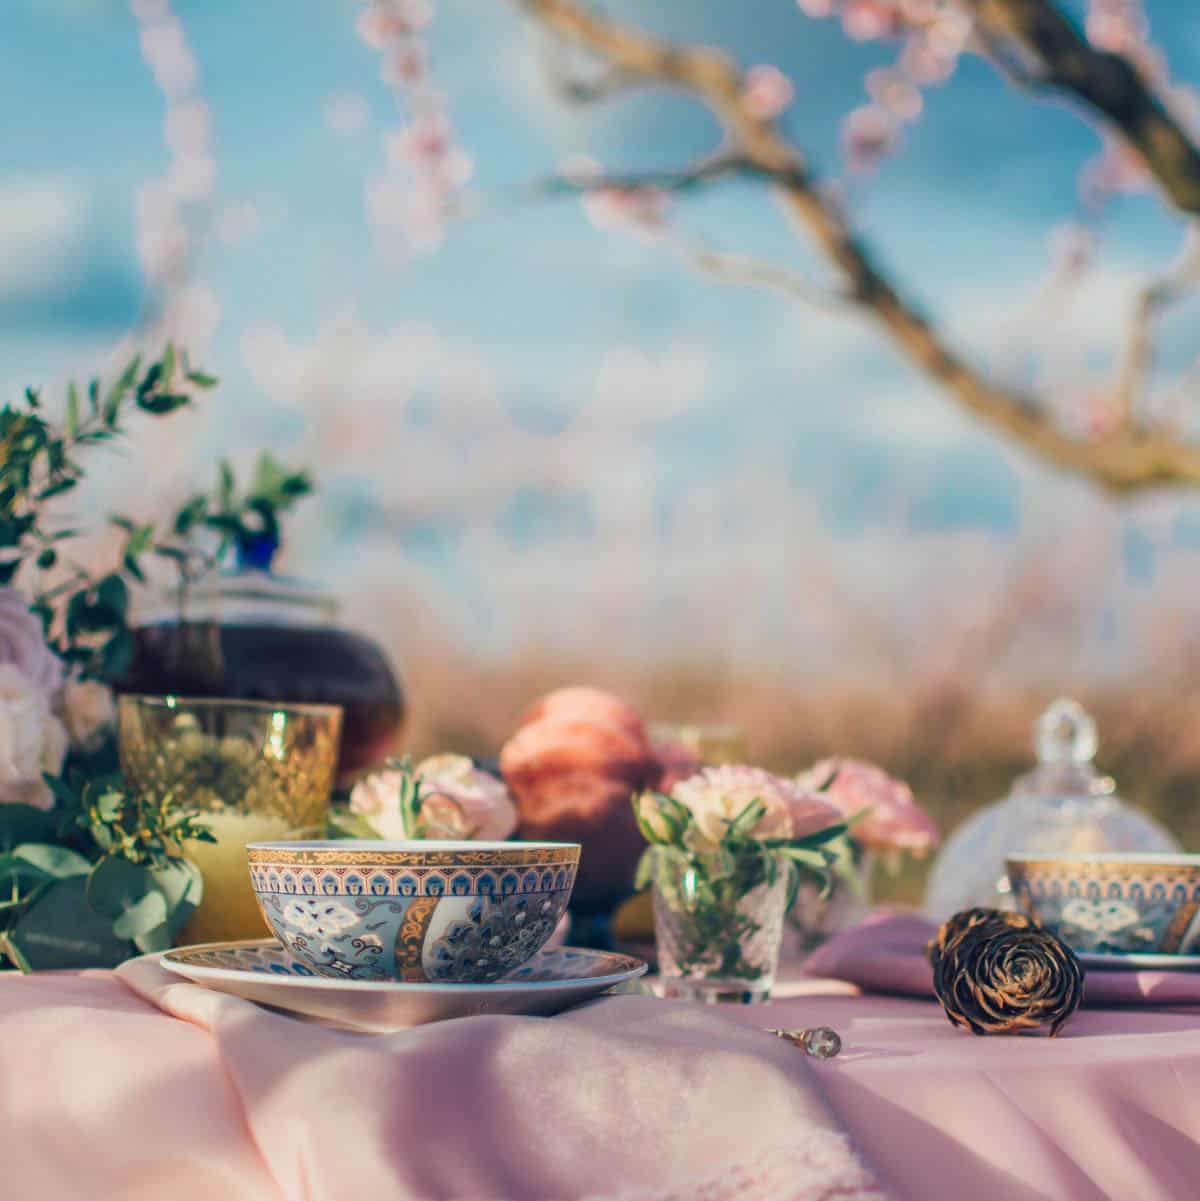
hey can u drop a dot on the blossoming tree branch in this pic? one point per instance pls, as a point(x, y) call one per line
point(1109, 71)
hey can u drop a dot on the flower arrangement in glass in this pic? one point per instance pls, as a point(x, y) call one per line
point(887, 824)
point(728, 849)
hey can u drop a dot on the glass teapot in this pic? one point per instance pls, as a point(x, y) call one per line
point(248, 634)
point(1064, 804)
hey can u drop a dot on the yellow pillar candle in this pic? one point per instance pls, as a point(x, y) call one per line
point(228, 909)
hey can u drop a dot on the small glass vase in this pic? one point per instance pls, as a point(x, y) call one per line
point(717, 941)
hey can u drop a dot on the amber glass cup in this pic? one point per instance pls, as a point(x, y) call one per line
point(256, 771)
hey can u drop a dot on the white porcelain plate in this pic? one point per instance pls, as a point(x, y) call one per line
point(1134, 962)
point(262, 970)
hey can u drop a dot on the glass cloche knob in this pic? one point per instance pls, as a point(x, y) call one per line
point(1065, 733)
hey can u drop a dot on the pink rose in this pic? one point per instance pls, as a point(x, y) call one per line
point(23, 643)
point(32, 740)
point(892, 821)
point(88, 712)
point(717, 795)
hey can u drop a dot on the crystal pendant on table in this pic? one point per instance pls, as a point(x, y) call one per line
point(249, 634)
point(1064, 804)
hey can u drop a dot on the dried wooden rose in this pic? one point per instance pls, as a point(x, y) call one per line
point(996, 972)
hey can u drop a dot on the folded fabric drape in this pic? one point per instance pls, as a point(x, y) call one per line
point(628, 1099)
point(886, 953)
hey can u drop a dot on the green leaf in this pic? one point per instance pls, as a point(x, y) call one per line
point(24, 823)
point(59, 862)
point(746, 820)
point(115, 394)
point(141, 917)
point(159, 403)
point(647, 869)
point(226, 484)
point(113, 593)
point(116, 886)
point(59, 929)
point(167, 363)
point(57, 488)
point(8, 571)
point(72, 423)
point(47, 558)
point(202, 379)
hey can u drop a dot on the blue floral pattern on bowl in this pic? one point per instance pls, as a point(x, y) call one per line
point(1128, 904)
point(365, 911)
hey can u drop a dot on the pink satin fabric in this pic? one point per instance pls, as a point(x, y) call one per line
point(147, 1088)
point(886, 953)
point(1107, 1111)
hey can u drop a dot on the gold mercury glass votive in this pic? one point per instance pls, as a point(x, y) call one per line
point(256, 771)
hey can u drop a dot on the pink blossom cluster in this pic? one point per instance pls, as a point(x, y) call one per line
point(426, 169)
point(643, 211)
point(934, 35)
point(163, 239)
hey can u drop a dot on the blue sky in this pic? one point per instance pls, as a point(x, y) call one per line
point(797, 437)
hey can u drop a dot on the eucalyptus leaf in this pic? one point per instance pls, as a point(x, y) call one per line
point(59, 862)
point(61, 930)
point(116, 885)
point(25, 823)
point(142, 916)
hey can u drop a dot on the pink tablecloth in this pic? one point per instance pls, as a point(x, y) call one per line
point(105, 1098)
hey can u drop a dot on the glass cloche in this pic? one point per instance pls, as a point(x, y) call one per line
point(1064, 804)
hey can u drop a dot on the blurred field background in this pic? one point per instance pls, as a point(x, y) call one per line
point(549, 450)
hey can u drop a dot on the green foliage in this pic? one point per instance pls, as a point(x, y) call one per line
point(103, 872)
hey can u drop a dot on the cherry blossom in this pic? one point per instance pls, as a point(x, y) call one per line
point(768, 91)
point(641, 211)
point(425, 169)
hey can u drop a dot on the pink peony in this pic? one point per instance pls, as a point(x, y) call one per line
point(23, 643)
point(716, 795)
point(892, 821)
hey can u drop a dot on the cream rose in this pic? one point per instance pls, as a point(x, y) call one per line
point(87, 712)
point(717, 795)
point(23, 643)
point(458, 801)
point(377, 799)
point(32, 740)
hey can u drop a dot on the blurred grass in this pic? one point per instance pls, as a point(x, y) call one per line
point(958, 745)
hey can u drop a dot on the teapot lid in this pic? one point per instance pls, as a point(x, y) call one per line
point(1065, 741)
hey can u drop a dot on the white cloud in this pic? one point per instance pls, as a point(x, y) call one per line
point(43, 221)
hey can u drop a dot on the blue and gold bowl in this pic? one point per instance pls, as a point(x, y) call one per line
point(1113, 903)
point(442, 912)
